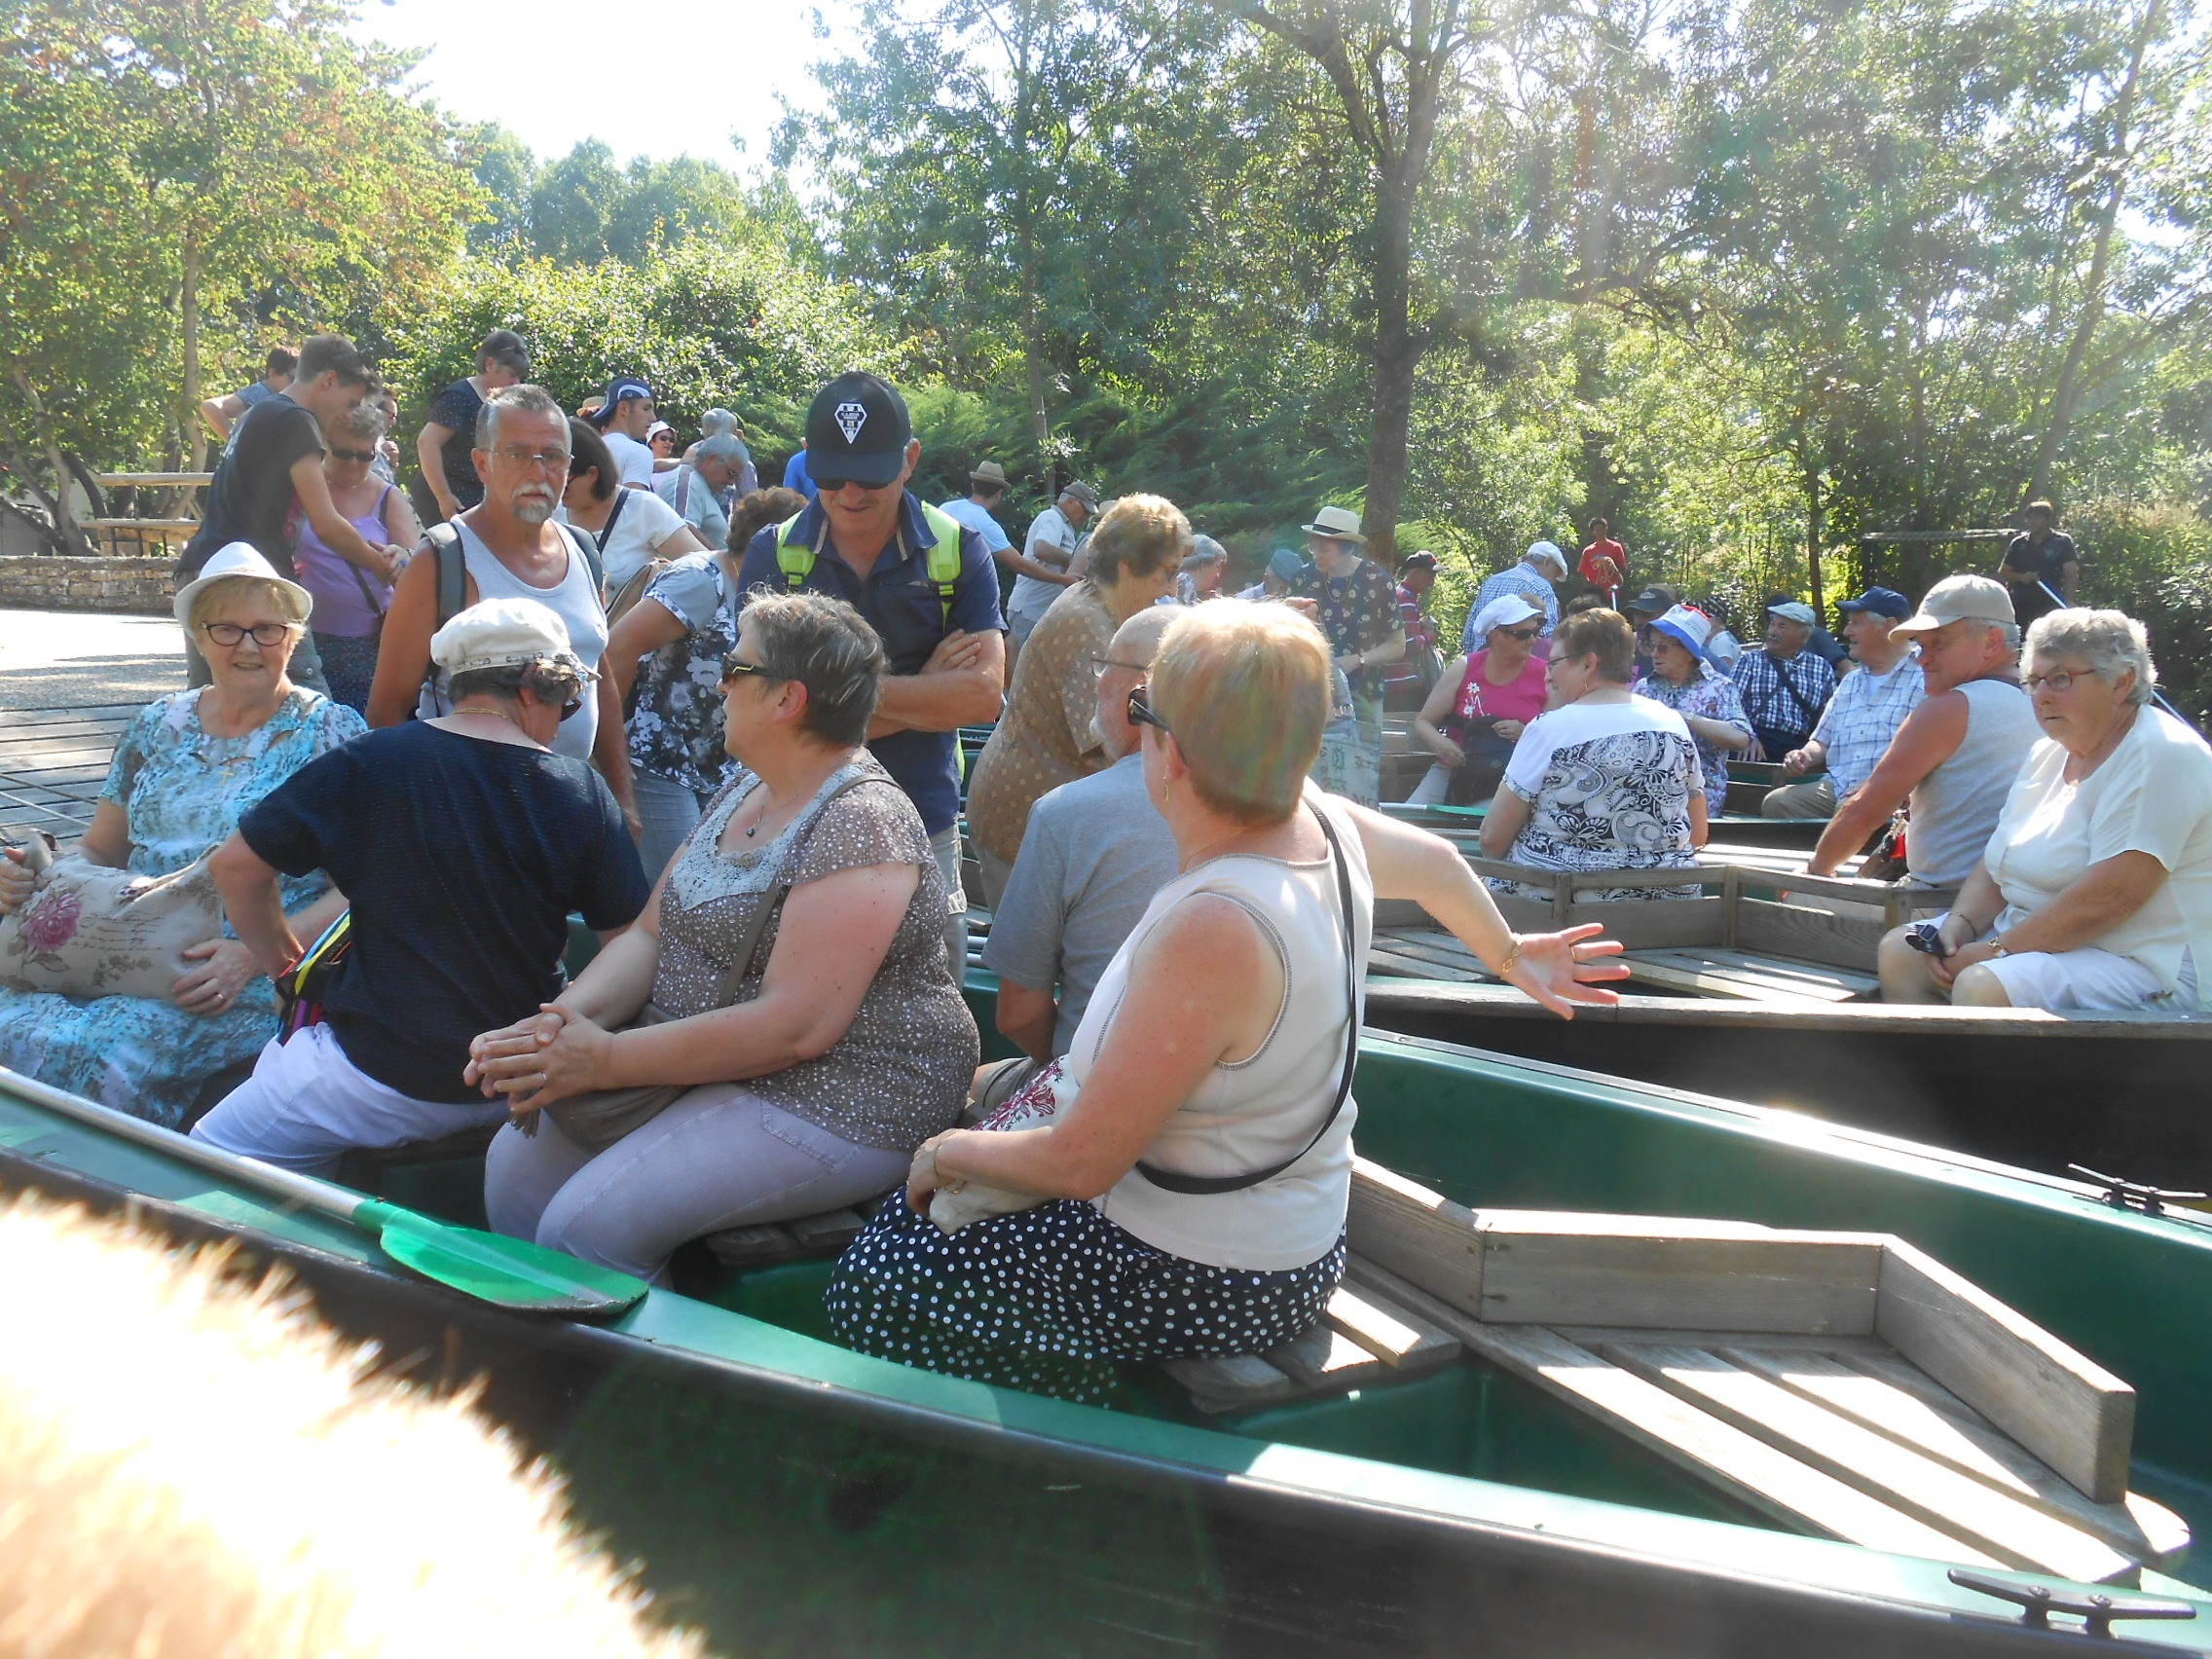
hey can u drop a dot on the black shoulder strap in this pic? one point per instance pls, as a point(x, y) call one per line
point(613, 517)
point(453, 572)
point(1804, 708)
point(1172, 1182)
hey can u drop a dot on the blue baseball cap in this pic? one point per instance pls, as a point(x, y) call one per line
point(619, 391)
point(1882, 602)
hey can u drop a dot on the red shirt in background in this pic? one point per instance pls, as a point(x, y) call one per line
point(1595, 574)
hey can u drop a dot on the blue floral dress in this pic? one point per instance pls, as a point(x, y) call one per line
point(182, 793)
point(1709, 696)
point(676, 728)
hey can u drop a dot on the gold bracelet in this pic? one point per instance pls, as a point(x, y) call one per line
point(1512, 958)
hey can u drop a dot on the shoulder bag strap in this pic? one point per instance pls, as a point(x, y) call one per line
point(1203, 1185)
point(1781, 673)
point(613, 516)
point(749, 944)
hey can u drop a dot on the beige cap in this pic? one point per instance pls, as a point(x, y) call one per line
point(988, 472)
point(503, 633)
point(1960, 598)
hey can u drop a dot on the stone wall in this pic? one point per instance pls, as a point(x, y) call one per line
point(141, 586)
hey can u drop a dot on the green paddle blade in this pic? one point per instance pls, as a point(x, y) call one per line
point(507, 1272)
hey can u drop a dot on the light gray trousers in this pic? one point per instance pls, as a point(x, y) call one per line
point(721, 1157)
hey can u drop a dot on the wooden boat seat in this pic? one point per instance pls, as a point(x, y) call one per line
point(1845, 1383)
point(1717, 971)
point(807, 1237)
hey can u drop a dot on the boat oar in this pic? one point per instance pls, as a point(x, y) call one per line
point(506, 1273)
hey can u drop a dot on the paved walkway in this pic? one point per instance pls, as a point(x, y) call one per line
point(70, 681)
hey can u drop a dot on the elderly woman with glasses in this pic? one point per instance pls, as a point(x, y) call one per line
point(1186, 1192)
point(1049, 735)
point(786, 987)
point(1480, 704)
point(186, 771)
point(352, 598)
point(2096, 890)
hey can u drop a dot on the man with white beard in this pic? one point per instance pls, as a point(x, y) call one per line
point(511, 549)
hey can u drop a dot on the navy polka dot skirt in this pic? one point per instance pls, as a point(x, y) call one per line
point(1052, 1299)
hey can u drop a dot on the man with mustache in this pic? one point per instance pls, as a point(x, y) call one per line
point(512, 550)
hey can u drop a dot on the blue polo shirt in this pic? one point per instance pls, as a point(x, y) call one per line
point(901, 605)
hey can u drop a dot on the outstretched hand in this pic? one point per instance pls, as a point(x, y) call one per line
point(1561, 969)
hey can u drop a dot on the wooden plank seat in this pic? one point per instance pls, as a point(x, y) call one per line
point(1845, 1384)
point(807, 1237)
point(1718, 971)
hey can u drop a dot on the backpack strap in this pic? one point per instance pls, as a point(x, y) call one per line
point(444, 542)
point(795, 559)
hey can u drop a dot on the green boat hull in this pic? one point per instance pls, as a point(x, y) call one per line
point(791, 1498)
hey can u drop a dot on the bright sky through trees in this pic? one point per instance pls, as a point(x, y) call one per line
point(656, 80)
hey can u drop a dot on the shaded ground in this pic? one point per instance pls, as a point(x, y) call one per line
point(69, 683)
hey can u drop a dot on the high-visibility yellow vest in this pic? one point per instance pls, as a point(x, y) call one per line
point(795, 559)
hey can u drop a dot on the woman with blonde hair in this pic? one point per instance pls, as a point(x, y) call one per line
point(1048, 735)
point(1187, 1195)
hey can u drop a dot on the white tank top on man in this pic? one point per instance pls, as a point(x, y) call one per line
point(1955, 807)
point(1256, 1112)
point(574, 598)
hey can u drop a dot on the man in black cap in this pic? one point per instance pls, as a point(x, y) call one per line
point(625, 416)
point(925, 583)
point(446, 446)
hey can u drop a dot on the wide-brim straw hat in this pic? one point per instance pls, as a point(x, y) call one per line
point(1338, 523)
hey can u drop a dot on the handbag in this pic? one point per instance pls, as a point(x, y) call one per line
point(1042, 1098)
point(596, 1119)
point(91, 930)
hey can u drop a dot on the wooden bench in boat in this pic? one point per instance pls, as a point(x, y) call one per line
point(1846, 1384)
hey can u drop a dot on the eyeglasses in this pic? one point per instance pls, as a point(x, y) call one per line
point(1140, 711)
point(2058, 680)
point(265, 634)
point(569, 709)
point(831, 486)
point(337, 454)
point(735, 668)
point(1521, 634)
point(542, 460)
point(1099, 665)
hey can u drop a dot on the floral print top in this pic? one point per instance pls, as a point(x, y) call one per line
point(676, 726)
point(1709, 696)
point(1358, 612)
point(1608, 786)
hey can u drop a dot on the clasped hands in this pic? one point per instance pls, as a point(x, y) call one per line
point(553, 1054)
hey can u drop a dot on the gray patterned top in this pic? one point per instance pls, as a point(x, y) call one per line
point(901, 1070)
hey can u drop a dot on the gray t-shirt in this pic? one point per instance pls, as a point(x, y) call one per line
point(695, 504)
point(1094, 854)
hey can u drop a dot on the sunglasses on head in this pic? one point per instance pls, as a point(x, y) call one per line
point(338, 454)
point(1141, 714)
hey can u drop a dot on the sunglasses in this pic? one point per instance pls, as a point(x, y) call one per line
point(735, 668)
point(338, 454)
point(569, 709)
point(831, 486)
point(1523, 633)
point(1140, 711)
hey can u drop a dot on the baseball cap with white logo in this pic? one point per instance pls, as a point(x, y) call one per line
point(857, 429)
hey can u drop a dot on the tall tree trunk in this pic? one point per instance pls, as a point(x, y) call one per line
point(2068, 388)
point(188, 309)
point(1396, 355)
point(1816, 527)
point(67, 537)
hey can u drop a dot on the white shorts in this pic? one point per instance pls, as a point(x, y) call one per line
point(306, 1104)
point(2091, 981)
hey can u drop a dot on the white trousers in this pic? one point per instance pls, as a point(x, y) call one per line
point(306, 1104)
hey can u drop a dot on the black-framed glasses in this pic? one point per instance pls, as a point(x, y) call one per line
point(831, 486)
point(735, 667)
point(1140, 711)
point(569, 709)
point(265, 634)
point(1524, 634)
point(337, 454)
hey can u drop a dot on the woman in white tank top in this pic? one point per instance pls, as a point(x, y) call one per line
point(1194, 1182)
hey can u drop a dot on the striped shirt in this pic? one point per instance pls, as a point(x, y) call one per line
point(1864, 715)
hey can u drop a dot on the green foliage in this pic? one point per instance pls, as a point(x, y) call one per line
point(705, 322)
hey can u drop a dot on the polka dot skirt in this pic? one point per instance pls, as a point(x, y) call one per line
point(1054, 1299)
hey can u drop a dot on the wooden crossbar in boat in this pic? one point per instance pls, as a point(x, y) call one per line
point(1846, 1384)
